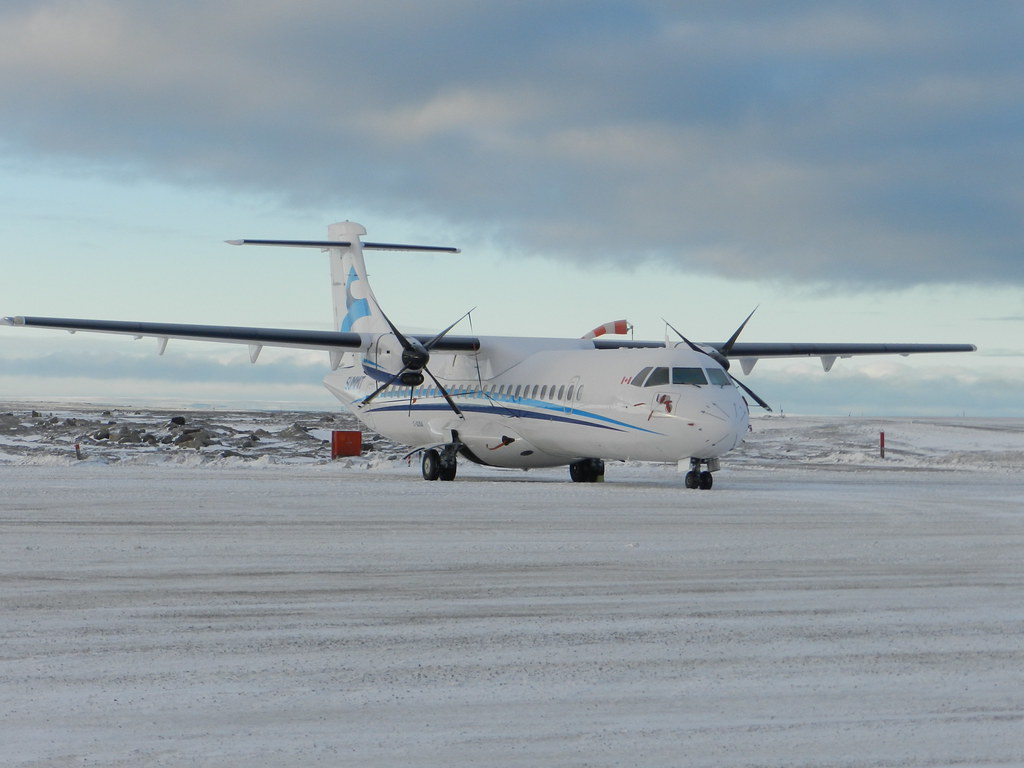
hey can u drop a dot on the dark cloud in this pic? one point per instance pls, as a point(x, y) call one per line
point(872, 143)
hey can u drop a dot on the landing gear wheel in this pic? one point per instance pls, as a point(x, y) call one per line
point(705, 481)
point(692, 480)
point(431, 465)
point(448, 470)
point(586, 470)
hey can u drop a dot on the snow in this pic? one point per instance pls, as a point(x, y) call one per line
point(264, 606)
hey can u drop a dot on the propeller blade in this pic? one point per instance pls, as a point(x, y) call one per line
point(689, 343)
point(727, 347)
point(430, 344)
point(752, 393)
point(381, 388)
point(394, 329)
point(444, 392)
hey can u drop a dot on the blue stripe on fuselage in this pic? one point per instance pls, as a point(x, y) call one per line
point(555, 412)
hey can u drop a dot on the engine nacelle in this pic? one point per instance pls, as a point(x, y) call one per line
point(411, 379)
point(385, 356)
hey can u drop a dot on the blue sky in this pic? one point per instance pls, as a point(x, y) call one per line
point(853, 168)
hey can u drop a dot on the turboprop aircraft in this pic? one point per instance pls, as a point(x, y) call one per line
point(514, 402)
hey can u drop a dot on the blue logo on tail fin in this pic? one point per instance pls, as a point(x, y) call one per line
point(357, 308)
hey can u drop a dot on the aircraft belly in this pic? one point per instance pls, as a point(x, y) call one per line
point(507, 448)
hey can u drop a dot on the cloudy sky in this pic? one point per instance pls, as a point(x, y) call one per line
point(855, 169)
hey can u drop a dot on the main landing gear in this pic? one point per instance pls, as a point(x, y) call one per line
point(440, 464)
point(587, 471)
point(701, 478)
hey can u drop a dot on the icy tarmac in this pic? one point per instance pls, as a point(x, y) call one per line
point(250, 603)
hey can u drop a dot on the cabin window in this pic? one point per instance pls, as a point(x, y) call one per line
point(568, 393)
point(519, 388)
point(688, 376)
point(579, 392)
point(658, 377)
point(535, 387)
point(561, 392)
point(544, 392)
point(638, 380)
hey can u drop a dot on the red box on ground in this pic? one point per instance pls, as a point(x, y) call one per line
point(346, 443)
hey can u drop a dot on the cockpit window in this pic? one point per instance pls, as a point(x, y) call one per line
point(658, 377)
point(638, 380)
point(688, 376)
point(719, 377)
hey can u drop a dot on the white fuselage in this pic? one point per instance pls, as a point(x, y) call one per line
point(546, 402)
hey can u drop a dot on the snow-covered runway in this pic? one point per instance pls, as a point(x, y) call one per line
point(233, 613)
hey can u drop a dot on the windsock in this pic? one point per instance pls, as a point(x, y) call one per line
point(618, 326)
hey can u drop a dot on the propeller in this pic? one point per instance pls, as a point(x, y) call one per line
point(721, 357)
point(415, 356)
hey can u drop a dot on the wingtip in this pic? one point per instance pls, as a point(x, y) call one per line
point(12, 320)
point(235, 242)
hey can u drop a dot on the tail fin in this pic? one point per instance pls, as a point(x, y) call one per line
point(355, 306)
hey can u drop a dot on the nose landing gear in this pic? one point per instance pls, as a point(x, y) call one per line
point(701, 478)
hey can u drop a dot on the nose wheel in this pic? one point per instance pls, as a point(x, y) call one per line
point(700, 475)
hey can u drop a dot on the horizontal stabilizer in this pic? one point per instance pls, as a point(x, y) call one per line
point(346, 244)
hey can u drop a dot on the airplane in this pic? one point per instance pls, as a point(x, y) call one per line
point(514, 402)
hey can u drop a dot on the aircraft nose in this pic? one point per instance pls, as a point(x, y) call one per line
point(728, 430)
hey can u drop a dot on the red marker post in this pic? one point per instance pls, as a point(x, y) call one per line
point(881, 444)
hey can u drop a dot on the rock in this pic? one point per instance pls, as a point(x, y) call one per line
point(194, 438)
point(127, 435)
point(293, 432)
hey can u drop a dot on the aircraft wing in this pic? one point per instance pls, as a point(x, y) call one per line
point(749, 353)
point(334, 342)
point(784, 349)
